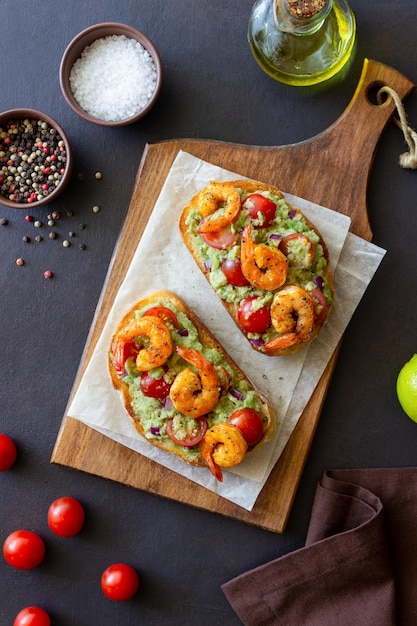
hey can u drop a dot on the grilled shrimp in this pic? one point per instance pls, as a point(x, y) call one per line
point(264, 267)
point(223, 445)
point(195, 393)
point(292, 315)
point(214, 197)
point(157, 343)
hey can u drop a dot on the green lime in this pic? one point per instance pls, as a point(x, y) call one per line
point(407, 388)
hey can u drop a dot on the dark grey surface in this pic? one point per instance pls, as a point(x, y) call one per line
point(212, 89)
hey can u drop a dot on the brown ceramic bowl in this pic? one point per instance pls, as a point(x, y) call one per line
point(61, 167)
point(88, 37)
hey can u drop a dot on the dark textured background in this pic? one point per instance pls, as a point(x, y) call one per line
point(212, 89)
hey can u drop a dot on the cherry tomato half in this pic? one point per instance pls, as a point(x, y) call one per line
point(154, 387)
point(120, 582)
point(253, 320)
point(164, 313)
point(261, 209)
point(24, 549)
point(8, 453)
point(321, 305)
point(250, 424)
point(32, 616)
point(122, 353)
point(233, 272)
point(304, 259)
point(220, 239)
point(66, 516)
point(193, 436)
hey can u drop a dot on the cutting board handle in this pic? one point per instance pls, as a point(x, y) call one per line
point(364, 113)
point(333, 167)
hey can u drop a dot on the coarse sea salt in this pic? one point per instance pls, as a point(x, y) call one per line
point(114, 78)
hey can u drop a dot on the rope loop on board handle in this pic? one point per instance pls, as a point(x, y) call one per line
point(408, 160)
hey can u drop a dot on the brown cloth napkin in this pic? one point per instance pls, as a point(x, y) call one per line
point(359, 564)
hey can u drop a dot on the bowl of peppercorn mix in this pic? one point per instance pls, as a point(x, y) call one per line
point(111, 74)
point(35, 158)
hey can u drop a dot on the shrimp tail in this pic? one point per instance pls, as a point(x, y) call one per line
point(282, 343)
point(206, 452)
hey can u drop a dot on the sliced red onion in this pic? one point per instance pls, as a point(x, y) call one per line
point(236, 394)
point(319, 282)
point(275, 236)
point(167, 403)
point(207, 264)
point(155, 430)
point(292, 213)
point(258, 343)
point(184, 332)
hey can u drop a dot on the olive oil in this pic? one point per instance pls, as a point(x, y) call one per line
point(302, 49)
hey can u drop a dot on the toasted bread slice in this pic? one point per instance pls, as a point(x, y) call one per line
point(292, 254)
point(158, 419)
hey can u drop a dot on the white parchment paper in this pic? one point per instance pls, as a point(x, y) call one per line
point(288, 381)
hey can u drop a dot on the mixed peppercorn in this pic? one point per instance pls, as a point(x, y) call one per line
point(52, 221)
point(32, 160)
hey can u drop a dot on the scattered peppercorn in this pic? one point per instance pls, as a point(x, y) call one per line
point(70, 213)
point(28, 218)
point(96, 209)
point(32, 160)
point(38, 238)
point(48, 274)
point(56, 215)
point(71, 234)
point(20, 261)
point(52, 235)
point(51, 223)
point(26, 239)
point(3, 221)
point(82, 246)
point(98, 175)
point(66, 243)
point(81, 226)
point(37, 224)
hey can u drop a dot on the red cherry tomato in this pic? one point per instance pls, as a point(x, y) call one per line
point(121, 355)
point(233, 272)
point(192, 437)
point(321, 305)
point(66, 516)
point(120, 582)
point(32, 616)
point(154, 387)
point(24, 549)
point(164, 313)
point(253, 320)
point(220, 239)
point(8, 453)
point(250, 424)
point(260, 208)
point(285, 247)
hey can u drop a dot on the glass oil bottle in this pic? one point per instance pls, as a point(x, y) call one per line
point(302, 42)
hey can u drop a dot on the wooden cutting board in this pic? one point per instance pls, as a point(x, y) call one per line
point(331, 169)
